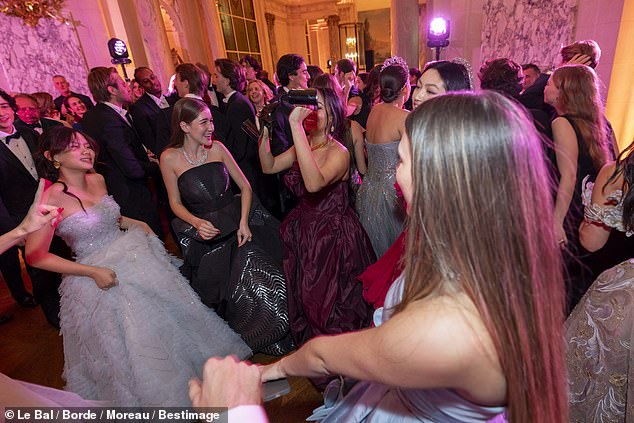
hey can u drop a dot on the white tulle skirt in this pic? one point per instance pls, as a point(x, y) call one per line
point(139, 343)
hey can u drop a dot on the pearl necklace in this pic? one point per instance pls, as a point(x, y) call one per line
point(195, 162)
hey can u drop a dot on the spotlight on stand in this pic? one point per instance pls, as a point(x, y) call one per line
point(119, 53)
point(438, 34)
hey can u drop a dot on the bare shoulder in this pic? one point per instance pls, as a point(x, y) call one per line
point(446, 338)
point(52, 194)
point(356, 128)
point(97, 181)
point(218, 151)
point(561, 123)
point(604, 175)
point(337, 149)
point(169, 155)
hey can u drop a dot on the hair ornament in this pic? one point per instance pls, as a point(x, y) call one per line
point(462, 61)
point(395, 61)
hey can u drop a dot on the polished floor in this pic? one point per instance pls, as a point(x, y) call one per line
point(31, 350)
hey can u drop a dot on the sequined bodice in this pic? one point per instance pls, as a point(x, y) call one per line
point(205, 188)
point(610, 215)
point(382, 160)
point(88, 232)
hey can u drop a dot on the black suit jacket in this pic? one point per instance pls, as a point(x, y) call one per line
point(123, 162)
point(152, 123)
point(237, 110)
point(17, 186)
point(59, 101)
point(533, 97)
point(281, 136)
point(46, 124)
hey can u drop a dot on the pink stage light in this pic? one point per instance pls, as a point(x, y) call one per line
point(439, 27)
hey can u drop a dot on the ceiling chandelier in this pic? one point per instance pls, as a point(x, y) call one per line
point(31, 11)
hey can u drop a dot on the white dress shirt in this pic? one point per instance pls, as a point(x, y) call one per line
point(160, 101)
point(20, 149)
point(120, 110)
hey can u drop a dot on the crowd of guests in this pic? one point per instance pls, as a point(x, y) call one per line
point(396, 214)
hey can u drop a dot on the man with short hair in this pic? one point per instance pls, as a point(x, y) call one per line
point(18, 184)
point(123, 161)
point(531, 74)
point(346, 75)
point(253, 70)
point(151, 113)
point(63, 87)
point(28, 112)
point(292, 74)
point(190, 81)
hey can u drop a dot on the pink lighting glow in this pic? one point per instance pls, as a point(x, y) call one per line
point(438, 26)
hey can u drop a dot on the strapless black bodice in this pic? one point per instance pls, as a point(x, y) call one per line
point(244, 284)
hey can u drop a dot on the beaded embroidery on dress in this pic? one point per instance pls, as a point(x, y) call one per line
point(600, 330)
point(138, 343)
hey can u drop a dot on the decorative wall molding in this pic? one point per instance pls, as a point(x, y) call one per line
point(34, 54)
point(527, 31)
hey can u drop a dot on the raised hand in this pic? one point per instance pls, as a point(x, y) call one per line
point(580, 59)
point(298, 114)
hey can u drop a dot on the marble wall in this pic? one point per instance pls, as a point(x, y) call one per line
point(527, 30)
point(36, 54)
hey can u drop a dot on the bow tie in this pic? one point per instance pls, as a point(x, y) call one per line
point(13, 136)
point(34, 125)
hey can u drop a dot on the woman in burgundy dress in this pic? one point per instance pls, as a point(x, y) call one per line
point(325, 247)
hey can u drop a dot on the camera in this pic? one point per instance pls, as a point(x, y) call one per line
point(293, 97)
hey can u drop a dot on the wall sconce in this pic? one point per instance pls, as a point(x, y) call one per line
point(351, 42)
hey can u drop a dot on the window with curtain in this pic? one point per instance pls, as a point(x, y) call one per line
point(237, 18)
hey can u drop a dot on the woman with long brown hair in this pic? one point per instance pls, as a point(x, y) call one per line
point(230, 244)
point(582, 148)
point(474, 325)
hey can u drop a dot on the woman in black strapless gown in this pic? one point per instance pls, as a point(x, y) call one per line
point(231, 247)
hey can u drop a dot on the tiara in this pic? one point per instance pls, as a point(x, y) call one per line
point(467, 66)
point(395, 61)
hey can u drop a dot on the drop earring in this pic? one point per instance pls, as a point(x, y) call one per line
point(56, 164)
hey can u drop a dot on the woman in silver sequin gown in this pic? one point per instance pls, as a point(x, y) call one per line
point(381, 210)
point(134, 331)
point(231, 247)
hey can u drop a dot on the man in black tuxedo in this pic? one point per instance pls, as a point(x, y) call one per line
point(29, 113)
point(151, 113)
point(122, 160)
point(63, 87)
point(18, 184)
point(292, 75)
point(236, 109)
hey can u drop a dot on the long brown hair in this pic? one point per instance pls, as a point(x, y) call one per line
point(185, 110)
point(580, 100)
point(481, 222)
